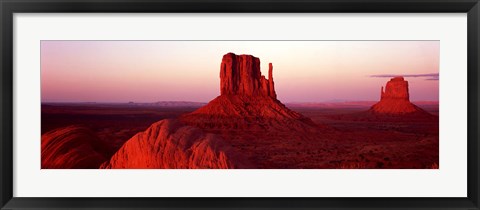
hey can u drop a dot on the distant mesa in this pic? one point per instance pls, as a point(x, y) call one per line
point(395, 99)
point(169, 144)
point(247, 98)
point(172, 104)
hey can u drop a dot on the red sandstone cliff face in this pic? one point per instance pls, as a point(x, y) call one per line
point(170, 144)
point(72, 147)
point(395, 99)
point(397, 89)
point(247, 100)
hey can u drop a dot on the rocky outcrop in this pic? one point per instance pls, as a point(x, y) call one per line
point(240, 75)
point(72, 147)
point(395, 99)
point(169, 144)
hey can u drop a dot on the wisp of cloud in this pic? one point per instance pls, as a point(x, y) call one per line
point(431, 76)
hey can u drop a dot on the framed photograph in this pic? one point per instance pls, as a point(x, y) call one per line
point(239, 105)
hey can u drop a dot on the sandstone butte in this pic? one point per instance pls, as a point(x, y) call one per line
point(247, 99)
point(395, 100)
point(72, 147)
point(240, 75)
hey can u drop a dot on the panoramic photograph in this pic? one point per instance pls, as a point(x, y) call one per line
point(240, 104)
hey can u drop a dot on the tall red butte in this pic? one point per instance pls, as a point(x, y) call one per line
point(240, 75)
point(247, 99)
point(395, 100)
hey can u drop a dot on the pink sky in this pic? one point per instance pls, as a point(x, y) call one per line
point(304, 71)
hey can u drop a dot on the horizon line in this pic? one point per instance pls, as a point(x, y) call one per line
point(132, 102)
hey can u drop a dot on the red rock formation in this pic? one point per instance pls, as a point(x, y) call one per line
point(72, 147)
point(245, 112)
point(395, 99)
point(240, 75)
point(170, 144)
point(247, 99)
point(396, 88)
point(271, 85)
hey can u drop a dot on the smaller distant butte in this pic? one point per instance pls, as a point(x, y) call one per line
point(395, 99)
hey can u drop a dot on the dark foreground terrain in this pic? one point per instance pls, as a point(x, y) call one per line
point(112, 123)
point(345, 139)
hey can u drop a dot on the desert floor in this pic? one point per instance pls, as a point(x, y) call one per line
point(348, 141)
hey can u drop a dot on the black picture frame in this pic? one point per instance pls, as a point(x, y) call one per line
point(9, 7)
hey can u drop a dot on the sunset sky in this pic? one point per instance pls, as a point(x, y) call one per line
point(303, 71)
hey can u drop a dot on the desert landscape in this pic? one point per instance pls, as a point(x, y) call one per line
point(245, 127)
